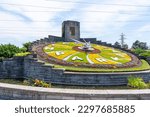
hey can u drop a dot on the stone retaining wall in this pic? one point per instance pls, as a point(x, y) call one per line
point(29, 67)
point(8, 91)
point(12, 68)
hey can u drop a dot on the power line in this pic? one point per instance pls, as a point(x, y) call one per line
point(11, 4)
point(70, 10)
point(79, 10)
point(80, 21)
point(31, 31)
point(42, 31)
point(18, 30)
point(109, 12)
point(131, 5)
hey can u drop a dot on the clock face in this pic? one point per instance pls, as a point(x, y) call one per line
point(73, 52)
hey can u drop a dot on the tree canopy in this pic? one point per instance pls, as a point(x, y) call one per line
point(117, 44)
point(8, 50)
point(138, 44)
point(27, 46)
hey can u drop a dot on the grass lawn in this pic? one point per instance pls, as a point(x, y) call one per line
point(144, 66)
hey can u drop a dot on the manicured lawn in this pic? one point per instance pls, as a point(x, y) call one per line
point(144, 66)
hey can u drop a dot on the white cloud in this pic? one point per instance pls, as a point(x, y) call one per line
point(104, 24)
point(145, 28)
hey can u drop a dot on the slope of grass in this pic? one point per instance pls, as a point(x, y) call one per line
point(144, 66)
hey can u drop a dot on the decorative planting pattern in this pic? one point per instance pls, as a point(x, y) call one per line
point(70, 54)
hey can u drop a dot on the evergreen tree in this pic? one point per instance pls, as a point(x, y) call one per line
point(125, 46)
point(138, 44)
point(27, 46)
point(117, 44)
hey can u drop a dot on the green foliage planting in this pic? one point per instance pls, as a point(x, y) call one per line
point(23, 49)
point(144, 66)
point(136, 82)
point(138, 51)
point(138, 44)
point(8, 50)
point(26, 46)
point(145, 54)
point(97, 57)
point(22, 54)
point(40, 83)
point(148, 84)
point(37, 83)
point(26, 82)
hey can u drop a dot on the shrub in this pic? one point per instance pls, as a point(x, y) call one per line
point(22, 54)
point(29, 82)
point(26, 82)
point(41, 83)
point(145, 54)
point(26, 46)
point(136, 82)
point(37, 83)
point(8, 50)
point(138, 51)
point(148, 84)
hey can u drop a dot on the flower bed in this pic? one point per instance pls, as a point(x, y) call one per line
point(107, 58)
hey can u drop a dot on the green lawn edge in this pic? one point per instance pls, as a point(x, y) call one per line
point(145, 66)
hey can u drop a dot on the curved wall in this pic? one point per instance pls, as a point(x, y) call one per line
point(34, 69)
point(8, 91)
point(30, 67)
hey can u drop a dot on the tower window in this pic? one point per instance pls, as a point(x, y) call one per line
point(72, 31)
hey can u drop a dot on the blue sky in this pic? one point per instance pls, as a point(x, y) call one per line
point(28, 20)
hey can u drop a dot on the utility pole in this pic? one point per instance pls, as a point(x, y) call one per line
point(122, 40)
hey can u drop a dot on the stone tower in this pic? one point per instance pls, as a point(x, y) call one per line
point(71, 30)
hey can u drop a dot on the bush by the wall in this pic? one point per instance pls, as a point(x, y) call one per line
point(138, 51)
point(136, 82)
point(145, 54)
point(22, 54)
point(148, 84)
point(37, 83)
point(8, 50)
point(40, 83)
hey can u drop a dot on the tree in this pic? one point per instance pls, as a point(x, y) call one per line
point(8, 50)
point(138, 44)
point(143, 45)
point(138, 51)
point(27, 46)
point(125, 46)
point(117, 44)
